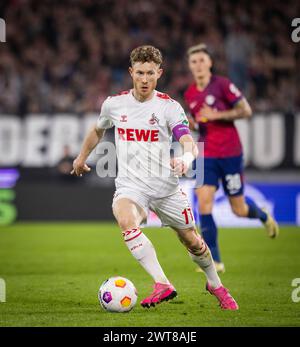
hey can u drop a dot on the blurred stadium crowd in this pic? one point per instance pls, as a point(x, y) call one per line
point(67, 56)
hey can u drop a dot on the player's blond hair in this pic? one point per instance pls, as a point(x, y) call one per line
point(201, 47)
point(146, 54)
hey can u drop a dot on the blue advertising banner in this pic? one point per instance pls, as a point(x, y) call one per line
point(282, 200)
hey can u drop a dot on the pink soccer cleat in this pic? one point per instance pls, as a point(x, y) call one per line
point(226, 301)
point(161, 292)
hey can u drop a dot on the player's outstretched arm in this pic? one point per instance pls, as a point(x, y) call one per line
point(190, 152)
point(91, 140)
point(240, 110)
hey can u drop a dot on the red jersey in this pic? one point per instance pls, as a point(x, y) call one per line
point(221, 138)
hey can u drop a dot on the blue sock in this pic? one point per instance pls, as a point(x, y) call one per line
point(255, 211)
point(210, 234)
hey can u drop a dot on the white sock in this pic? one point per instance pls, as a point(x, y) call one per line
point(142, 249)
point(205, 261)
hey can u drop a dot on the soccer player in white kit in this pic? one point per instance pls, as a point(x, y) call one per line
point(144, 121)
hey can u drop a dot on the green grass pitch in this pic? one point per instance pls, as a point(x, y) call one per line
point(53, 272)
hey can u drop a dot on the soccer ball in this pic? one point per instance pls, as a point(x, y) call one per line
point(117, 294)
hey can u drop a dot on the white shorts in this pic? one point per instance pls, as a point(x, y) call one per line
point(173, 210)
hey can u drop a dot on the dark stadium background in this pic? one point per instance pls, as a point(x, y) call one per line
point(61, 59)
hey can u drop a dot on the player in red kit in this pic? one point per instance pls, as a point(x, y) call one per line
point(214, 103)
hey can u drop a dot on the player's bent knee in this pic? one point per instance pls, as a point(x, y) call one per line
point(206, 209)
point(126, 223)
point(206, 203)
point(239, 211)
point(205, 206)
point(192, 240)
point(193, 247)
point(198, 247)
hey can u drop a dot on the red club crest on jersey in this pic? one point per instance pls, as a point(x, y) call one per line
point(153, 119)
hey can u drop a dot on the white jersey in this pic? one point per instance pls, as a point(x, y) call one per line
point(143, 137)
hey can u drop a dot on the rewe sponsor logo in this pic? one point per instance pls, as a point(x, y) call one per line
point(138, 135)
